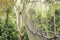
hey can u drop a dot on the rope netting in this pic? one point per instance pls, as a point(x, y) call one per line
point(42, 18)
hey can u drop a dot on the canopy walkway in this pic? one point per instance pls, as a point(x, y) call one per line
point(40, 34)
point(41, 18)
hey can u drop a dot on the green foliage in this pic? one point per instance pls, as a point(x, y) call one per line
point(8, 31)
point(35, 16)
point(27, 1)
point(5, 4)
point(25, 36)
point(49, 1)
point(57, 14)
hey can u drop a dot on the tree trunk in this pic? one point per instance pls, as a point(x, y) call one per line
point(17, 22)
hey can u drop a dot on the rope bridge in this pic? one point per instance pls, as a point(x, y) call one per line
point(47, 30)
